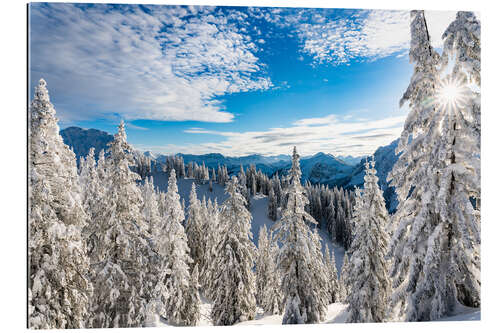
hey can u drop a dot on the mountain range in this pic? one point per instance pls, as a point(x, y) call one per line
point(321, 168)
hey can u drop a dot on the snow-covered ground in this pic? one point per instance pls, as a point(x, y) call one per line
point(336, 313)
point(463, 313)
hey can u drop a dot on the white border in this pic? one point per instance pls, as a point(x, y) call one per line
point(13, 163)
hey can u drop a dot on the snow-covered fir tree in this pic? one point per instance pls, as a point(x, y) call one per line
point(368, 272)
point(154, 223)
point(344, 279)
point(123, 252)
point(93, 182)
point(268, 293)
point(211, 236)
point(272, 207)
point(88, 179)
point(150, 209)
point(297, 258)
point(143, 165)
point(195, 309)
point(462, 42)
point(234, 285)
point(58, 287)
point(435, 232)
point(182, 305)
point(253, 186)
point(330, 218)
point(277, 189)
point(333, 278)
point(195, 229)
point(261, 268)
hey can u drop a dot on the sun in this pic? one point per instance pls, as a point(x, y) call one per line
point(451, 94)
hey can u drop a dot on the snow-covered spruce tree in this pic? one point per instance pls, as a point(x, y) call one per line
point(194, 310)
point(272, 206)
point(182, 305)
point(162, 208)
point(86, 172)
point(330, 218)
point(211, 236)
point(93, 182)
point(122, 252)
point(268, 293)
point(320, 287)
point(344, 279)
point(195, 230)
point(234, 285)
point(261, 268)
point(95, 185)
point(245, 191)
point(333, 278)
point(261, 264)
point(272, 301)
point(150, 207)
point(463, 43)
point(101, 167)
point(154, 224)
point(368, 271)
point(435, 234)
point(297, 258)
point(58, 265)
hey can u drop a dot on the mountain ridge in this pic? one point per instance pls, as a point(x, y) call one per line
point(320, 168)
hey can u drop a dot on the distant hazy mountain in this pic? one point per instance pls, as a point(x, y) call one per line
point(81, 140)
point(320, 168)
point(351, 160)
point(150, 155)
point(385, 157)
point(215, 159)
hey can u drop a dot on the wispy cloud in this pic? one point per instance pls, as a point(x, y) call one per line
point(152, 62)
point(328, 134)
point(367, 35)
point(316, 121)
point(135, 127)
point(361, 35)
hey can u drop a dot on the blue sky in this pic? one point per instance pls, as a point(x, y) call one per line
point(234, 80)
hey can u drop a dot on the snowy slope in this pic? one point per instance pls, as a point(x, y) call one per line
point(336, 313)
point(463, 313)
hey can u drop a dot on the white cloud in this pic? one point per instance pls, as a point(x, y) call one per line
point(163, 64)
point(327, 134)
point(132, 126)
point(362, 35)
point(316, 121)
